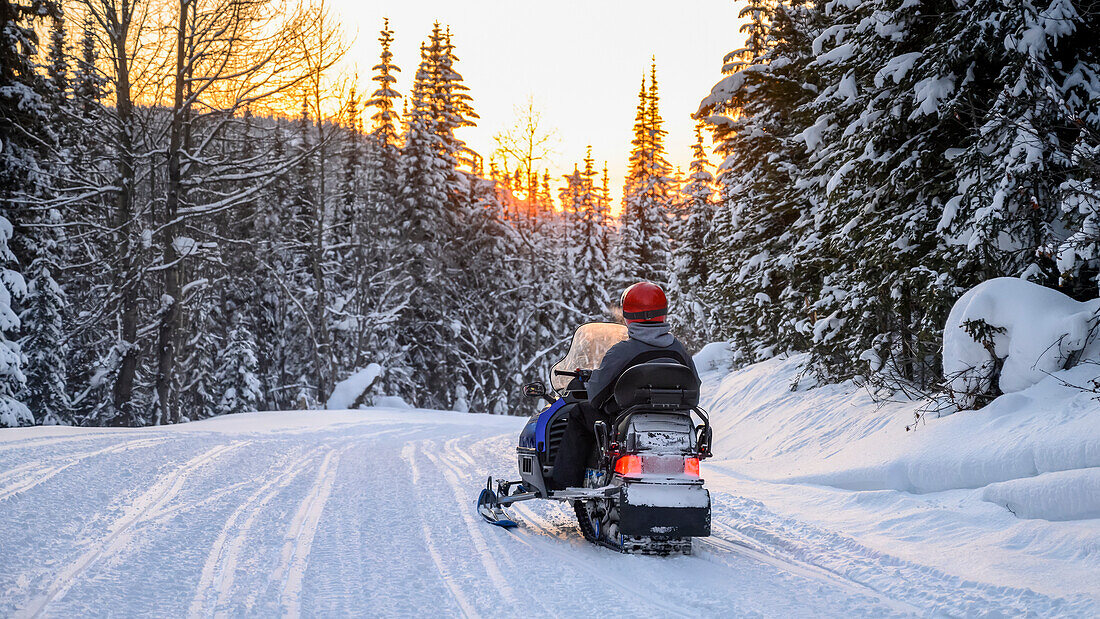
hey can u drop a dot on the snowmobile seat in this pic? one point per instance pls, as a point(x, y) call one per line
point(657, 386)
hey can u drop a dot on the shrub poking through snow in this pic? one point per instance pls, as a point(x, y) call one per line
point(1007, 334)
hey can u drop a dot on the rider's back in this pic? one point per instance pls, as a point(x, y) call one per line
point(648, 341)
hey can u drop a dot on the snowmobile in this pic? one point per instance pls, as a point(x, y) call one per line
point(642, 492)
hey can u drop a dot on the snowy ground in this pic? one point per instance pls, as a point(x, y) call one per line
point(371, 512)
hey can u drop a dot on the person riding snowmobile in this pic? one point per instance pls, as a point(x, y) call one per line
point(644, 307)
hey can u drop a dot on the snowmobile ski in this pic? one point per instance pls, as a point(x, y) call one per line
point(489, 508)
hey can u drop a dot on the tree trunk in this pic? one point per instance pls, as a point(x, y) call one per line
point(324, 347)
point(128, 278)
point(166, 339)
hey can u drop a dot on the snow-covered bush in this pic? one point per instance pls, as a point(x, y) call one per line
point(1007, 334)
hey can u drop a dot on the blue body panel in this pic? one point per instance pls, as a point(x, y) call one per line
point(533, 435)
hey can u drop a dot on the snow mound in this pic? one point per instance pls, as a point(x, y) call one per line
point(1014, 333)
point(392, 401)
point(351, 391)
point(716, 356)
point(1064, 495)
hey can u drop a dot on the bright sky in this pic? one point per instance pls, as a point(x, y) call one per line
point(581, 60)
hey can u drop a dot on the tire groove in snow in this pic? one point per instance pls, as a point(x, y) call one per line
point(451, 448)
point(299, 541)
point(216, 579)
point(568, 554)
point(910, 583)
point(408, 453)
point(465, 506)
point(461, 481)
point(810, 571)
point(57, 440)
point(142, 508)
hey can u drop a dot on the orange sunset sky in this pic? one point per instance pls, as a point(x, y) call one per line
point(581, 61)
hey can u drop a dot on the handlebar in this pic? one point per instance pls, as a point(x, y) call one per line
point(584, 375)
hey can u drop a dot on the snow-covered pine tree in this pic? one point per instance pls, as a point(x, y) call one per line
point(382, 286)
point(881, 157)
point(12, 411)
point(691, 272)
point(273, 309)
point(384, 119)
point(304, 224)
point(236, 386)
point(350, 240)
point(642, 251)
point(756, 290)
point(1021, 80)
point(457, 111)
point(590, 242)
point(25, 143)
point(88, 84)
point(22, 108)
point(943, 165)
point(427, 166)
point(43, 340)
point(873, 174)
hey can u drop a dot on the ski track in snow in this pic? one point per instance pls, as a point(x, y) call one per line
point(30, 475)
point(330, 513)
point(146, 506)
point(303, 528)
point(221, 563)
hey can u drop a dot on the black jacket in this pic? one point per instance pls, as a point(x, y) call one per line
point(645, 337)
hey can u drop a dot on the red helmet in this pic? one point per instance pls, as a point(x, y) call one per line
point(644, 302)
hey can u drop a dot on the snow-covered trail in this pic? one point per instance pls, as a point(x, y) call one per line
point(336, 513)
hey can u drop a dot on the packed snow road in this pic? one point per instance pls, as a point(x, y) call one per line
point(371, 512)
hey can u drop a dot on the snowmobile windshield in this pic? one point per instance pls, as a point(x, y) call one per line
point(590, 343)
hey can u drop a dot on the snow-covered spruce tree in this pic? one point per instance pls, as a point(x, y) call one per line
point(906, 154)
point(12, 411)
point(427, 165)
point(25, 143)
point(382, 287)
point(689, 232)
point(88, 84)
point(350, 243)
point(272, 309)
point(22, 107)
point(43, 340)
point(643, 244)
point(45, 346)
point(762, 245)
point(873, 175)
point(1026, 171)
point(236, 386)
point(589, 237)
point(300, 258)
point(942, 167)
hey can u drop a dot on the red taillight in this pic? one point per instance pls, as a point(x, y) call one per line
point(691, 467)
point(634, 465)
point(628, 465)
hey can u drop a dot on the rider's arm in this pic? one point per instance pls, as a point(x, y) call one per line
point(689, 359)
point(603, 379)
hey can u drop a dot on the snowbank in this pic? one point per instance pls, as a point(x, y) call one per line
point(1065, 495)
point(351, 391)
point(1010, 493)
point(835, 435)
point(1030, 330)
